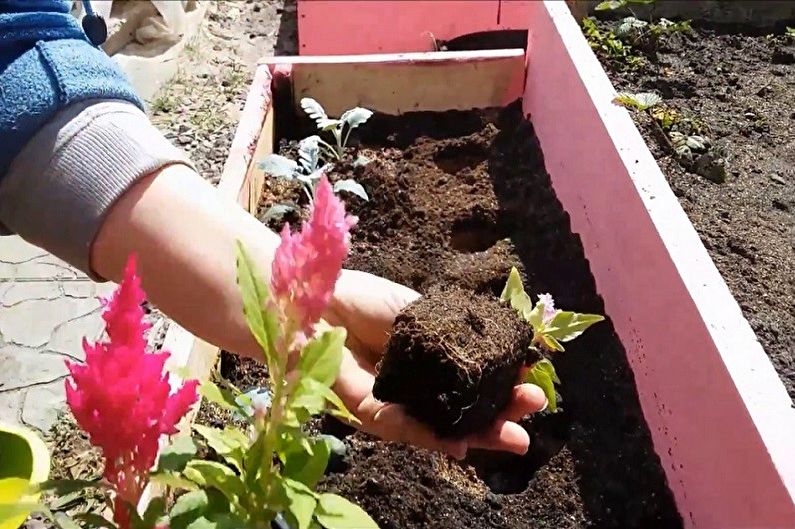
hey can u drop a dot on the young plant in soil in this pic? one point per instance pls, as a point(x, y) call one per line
point(266, 472)
point(454, 357)
point(315, 156)
point(682, 136)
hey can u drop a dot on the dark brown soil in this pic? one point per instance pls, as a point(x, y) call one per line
point(742, 89)
point(456, 200)
point(452, 360)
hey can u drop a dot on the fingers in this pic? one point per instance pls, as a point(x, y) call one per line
point(390, 422)
point(503, 435)
point(526, 399)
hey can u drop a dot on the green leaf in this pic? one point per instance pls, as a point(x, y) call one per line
point(93, 520)
point(515, 294)
point(172, 480)
point(315, 111)
point(356, 116)
point(566, 325)
point(279, 166)
point(309, 154)
point(351, 186)
point(62, 487)
point(321, 358)
point(307, 467)
point(630, 25)
point(301, 502)
point(641, 101)
point(313, 387)
point(543, 375)
point(195, 510)
point(154, 511)
point(551, 343)
point(252, 461)
point(610, 5)
point(12, 515)
point(218, 395)
point(335, 512)
point(176, 455)
point(277, 211)
point(262, 321)
point(225, 444)
point(216, 475)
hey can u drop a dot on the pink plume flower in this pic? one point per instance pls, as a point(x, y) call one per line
point(549, 307)
point(122, 399)
point(307, 264)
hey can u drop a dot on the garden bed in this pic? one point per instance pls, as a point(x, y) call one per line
point(739, 89)
point(458, 198)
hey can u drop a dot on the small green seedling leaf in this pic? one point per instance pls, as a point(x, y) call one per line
point(172, 480)
point(515, 294)
point(567, 325)
point(610, 5)
point(309, 154)
point(543, 375)
point(356, 116)
point(335, 512)
point(176, 455)
point(630, 25)
point(321, 358)
point(315, 111)
point(279, 166)
point(697, 143)
point(790, 32)
point(641, 101)
point(277, 211)
point(351, 186)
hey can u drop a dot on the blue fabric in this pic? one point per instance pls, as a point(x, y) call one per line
point(46, 64)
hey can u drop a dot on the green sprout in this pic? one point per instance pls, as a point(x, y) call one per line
point(551, 328)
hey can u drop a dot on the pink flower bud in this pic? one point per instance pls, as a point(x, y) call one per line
point(549, 307)
point(308, 263)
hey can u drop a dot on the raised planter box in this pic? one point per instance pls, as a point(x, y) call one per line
point(720, 418)
point(399, 26)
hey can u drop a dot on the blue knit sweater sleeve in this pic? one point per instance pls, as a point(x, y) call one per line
point(47, 64)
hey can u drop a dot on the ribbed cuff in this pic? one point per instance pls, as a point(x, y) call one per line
point(62, 184)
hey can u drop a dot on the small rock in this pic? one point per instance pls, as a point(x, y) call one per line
point(280, 523)
point(710, 168)
point(777, 179)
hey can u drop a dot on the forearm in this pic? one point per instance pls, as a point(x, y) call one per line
point(184, 234)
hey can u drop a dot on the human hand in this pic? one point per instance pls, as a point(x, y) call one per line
point(366, 305)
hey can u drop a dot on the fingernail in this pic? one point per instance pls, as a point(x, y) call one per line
point(544, 407)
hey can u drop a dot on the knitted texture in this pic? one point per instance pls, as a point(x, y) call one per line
point(46, 64)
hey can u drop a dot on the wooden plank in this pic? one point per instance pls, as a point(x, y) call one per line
point(395, 26)
point(720, 417)
point(398, 83)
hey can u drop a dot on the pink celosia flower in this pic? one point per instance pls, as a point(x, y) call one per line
point(549, 307)
point(307, 264)
point(121, 397)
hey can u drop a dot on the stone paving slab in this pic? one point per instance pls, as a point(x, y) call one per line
point(46, 309)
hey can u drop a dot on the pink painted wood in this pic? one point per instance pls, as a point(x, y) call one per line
point(343, 27)
point(721, 420)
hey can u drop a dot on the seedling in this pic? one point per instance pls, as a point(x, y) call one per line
point(613, 5)
point(551, 328)
point(608, 45)
point(790, 32)
point(315, 155)
point(641, 101)
point(340, 128)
